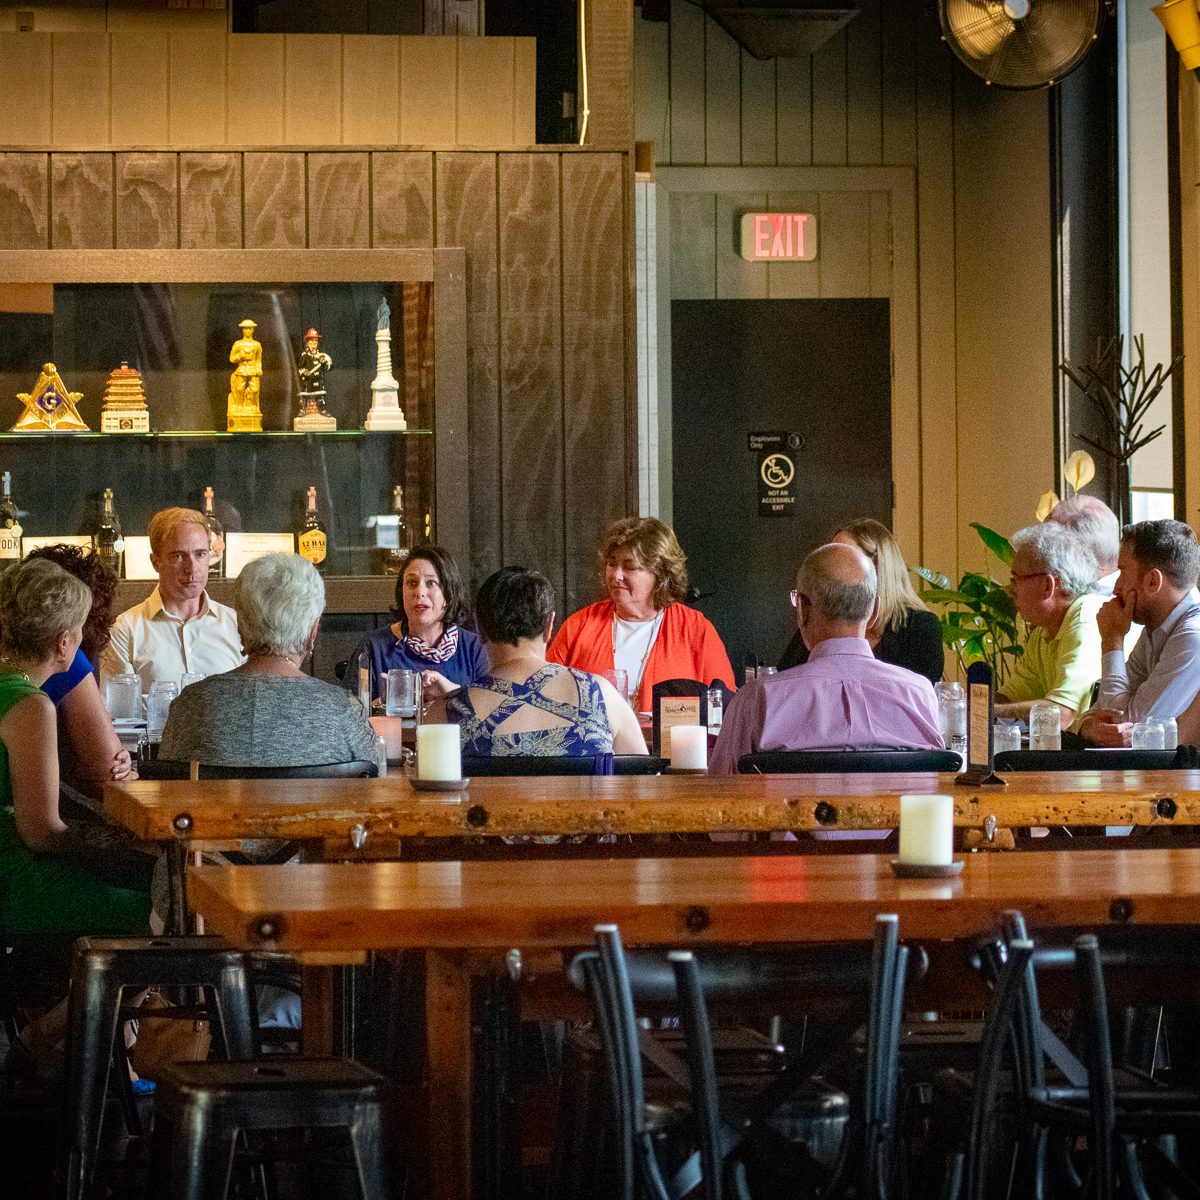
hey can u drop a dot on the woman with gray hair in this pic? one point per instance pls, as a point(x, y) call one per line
point(268, 712)
point(1053, 581)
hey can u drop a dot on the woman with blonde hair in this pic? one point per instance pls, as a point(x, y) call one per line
point(903, 631)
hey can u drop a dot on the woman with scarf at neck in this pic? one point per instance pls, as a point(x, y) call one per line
point(428, 634)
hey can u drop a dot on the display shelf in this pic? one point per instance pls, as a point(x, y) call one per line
point(206, 435)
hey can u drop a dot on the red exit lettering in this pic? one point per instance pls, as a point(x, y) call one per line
point(781, 236)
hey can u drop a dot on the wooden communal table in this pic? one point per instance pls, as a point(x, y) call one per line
point(375, 817)
point(465, 915)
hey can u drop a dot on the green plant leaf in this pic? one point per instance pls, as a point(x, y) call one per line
point(997, 543)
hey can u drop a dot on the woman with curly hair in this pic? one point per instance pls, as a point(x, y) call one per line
point(642, 628)
point(85, 728)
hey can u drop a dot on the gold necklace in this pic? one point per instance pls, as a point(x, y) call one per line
point(16, 670)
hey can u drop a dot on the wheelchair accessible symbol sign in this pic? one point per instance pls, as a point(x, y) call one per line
point(776, 472)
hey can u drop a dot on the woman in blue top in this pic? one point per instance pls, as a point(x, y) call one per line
point(428, 635)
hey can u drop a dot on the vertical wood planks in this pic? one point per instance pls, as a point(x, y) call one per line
point(844, 259)
point(210, 201)
point(693, 246)
point(428, 91)
point(81, 190)
point(402, 198)
point(758, 111)
point(594, 358)
point(796, 280)
point(864, 117)
point(198, 87)
point(610, 72)
point(147, 201)
point(24, 201)
point(79, 98)
point(25, 70)
point(881, 246)
point(531, 366)
point(687, 82)
point(255, 73)
point(484, 88)
point(274, 213)
point(312, 89)
point(370, 90)
point(793, 111)
point(722, 100)
point(651, 86)
point(737, 279)
point(140, 93)
point(466, 216)
point(829, 103)
point(339, 199)
point(898, 84)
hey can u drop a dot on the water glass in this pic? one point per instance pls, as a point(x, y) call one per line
point(123, 696)
point(189, 677)
point(1149, 735)
point(1045, 726)
point(158, 705)
point(749, 675)
point(1006, 735)
point(1170, 733)
point(620, 680)
point(716, 710)
point(403, 694)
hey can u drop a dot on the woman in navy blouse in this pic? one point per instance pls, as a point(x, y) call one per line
point(428, 635)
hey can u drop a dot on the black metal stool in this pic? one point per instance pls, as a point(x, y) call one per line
point(201, 1108)
point(102, 971)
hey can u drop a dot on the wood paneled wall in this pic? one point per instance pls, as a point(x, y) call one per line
point(159, 87)
point(549, 300)
point(885, 93)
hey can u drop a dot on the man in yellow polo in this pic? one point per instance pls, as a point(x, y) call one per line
point(1053, 589)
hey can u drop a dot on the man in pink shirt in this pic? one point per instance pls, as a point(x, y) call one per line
point(843, 698)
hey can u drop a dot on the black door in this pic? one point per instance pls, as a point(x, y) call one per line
point(816, 368)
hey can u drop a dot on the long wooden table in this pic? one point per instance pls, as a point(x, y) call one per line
point(465, 914)
point(373, 817)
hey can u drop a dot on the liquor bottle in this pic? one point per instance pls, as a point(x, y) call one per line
point(216, 538)
point(428, 526)
point(108, 545)
point(10, 525)
point(312, 542)
point(403, 542)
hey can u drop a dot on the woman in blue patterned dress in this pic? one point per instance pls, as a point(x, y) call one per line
point(525, 705)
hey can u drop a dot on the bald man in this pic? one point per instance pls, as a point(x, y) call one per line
point(843, 698)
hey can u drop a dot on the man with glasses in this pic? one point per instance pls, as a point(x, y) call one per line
point(178, 629)
point(1054, 591)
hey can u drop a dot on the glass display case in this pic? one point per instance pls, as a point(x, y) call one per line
point(174, 317)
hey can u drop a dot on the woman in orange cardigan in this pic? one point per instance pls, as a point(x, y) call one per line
point(642, 628)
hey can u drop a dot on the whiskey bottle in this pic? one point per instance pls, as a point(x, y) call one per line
point(403, 541)
point(312, 542)
point(108, 544)
point(10, 525)
point(216, 538)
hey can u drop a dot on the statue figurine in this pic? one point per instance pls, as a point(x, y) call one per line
point(50, 406)
point(385, 412)
point(312, 367)
point(244, 413)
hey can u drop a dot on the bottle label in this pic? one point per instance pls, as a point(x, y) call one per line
point(10, 542)
point(313, 545)
point(119, 546)
point(217, 547)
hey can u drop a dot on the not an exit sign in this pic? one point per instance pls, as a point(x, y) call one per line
point(779, 237)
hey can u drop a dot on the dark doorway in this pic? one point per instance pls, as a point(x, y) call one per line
point(817, 368)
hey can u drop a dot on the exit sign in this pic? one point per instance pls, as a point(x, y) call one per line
point(779, 237)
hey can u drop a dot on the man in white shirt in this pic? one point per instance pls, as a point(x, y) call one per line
point(177, 628)
point(1160, 562)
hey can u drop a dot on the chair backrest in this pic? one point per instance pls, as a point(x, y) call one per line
point(852, 762)
point(1182, 758)
point(588, 764)
point(165, 768)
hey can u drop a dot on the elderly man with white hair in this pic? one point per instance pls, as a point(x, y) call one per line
point(843, 697)
point(1053, 589)
point(1097, 527)
point(268, 712)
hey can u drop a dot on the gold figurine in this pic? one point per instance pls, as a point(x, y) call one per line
point(244, 413)
point(50, 405)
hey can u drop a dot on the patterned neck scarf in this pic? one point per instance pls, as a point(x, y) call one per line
point(443, 652)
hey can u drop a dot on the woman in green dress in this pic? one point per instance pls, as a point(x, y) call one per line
point(51, 882)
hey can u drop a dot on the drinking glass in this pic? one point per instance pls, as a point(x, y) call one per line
point(123, 696)
point(1045, 726)
point(749, 673)
point(620, 680)
point(1006, 736)
point(1148, 735)
point(1170, 733)
point(190, 677)
point(158, 704)
point(403, 694)
point(716, 710)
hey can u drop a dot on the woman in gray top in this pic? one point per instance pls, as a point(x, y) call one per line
point(267, 712)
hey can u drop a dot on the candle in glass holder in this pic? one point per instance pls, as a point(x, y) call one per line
point(439, 752)
point(689, 747)
point(927, 830)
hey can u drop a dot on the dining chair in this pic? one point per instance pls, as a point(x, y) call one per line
point(474, 766)
point(848, 762)
point(165, 768)
point(1182, 758)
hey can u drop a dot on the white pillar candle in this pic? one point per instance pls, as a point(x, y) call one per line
point(689, 747)
point(927, 830)
point(439, 753)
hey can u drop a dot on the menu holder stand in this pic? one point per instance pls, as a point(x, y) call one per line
point(981, 706)
point(677, 702)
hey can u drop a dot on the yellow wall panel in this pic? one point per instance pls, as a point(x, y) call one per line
point(312, 89)
point(370, 90)
point(524, 126)
point(428, 90)
point(254, 104)
point(79, 94)
point(140, 89)
point(198, 89)
point(485, 91)
point(24, 69)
